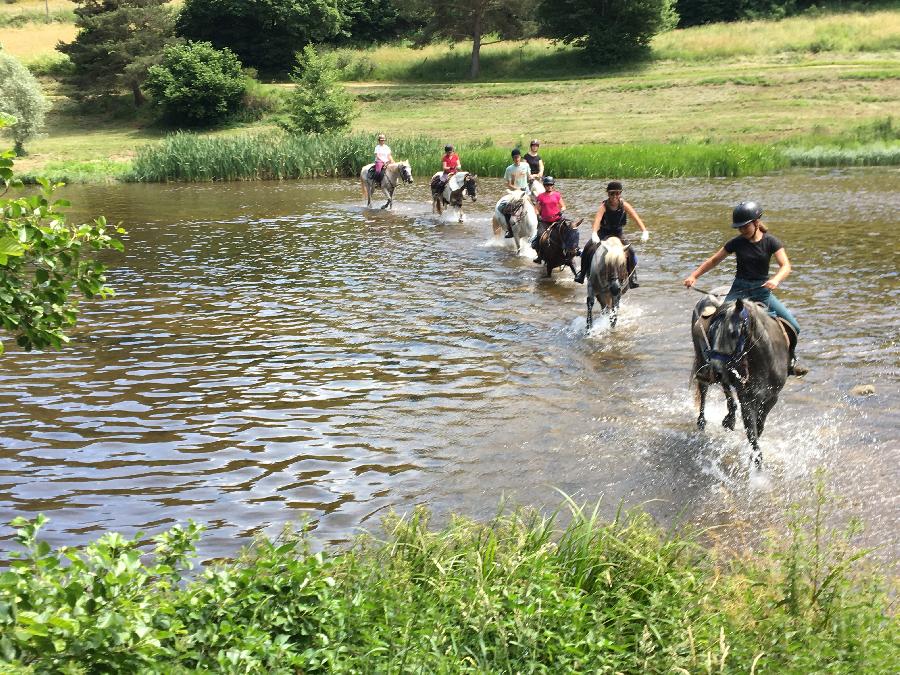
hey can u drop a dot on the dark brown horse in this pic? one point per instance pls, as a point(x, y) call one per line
point(551, 246)
point(741, 347)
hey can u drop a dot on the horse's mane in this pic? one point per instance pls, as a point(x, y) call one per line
point(615, 251)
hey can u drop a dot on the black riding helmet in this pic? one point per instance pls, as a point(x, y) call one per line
point(744, 213)
point(448, 148)
point(516, 153)
point(548, 180)
point(614, 186)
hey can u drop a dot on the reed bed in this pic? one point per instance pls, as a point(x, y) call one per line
point(874, 154)
point(190, 157)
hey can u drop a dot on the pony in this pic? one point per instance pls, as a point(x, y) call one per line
point(741, 347)
point(607, 281)
point(392, 175)
point(551, 246)
point(515, 209)
point(461, 184)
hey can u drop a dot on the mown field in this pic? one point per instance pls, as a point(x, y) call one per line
point(805, 82)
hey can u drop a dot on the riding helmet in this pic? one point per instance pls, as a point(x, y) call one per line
point(744, 213)
point(614, 185)
point(535, 141)
point(516, 152)
point(548, 180)
point(448, 148)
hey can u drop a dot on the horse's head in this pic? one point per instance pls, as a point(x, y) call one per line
point(614, 273)
point(729, 336)
point(470, 185)
point(406, 172)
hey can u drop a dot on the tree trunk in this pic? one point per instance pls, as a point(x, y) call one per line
point(476, 48)
point(138, 94)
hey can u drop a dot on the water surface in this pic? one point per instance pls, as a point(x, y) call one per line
point(275, 352)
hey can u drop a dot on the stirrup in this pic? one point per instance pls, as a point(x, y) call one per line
point(579, 278)
point(508, 235)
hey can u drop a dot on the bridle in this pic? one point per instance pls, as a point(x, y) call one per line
point(731, 361)
point(406, 174)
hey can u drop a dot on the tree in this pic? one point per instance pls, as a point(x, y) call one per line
point(369, 22)
point(607, 30)
point(318, 104)
point(469, 20)
point(265, 34)
point(197, 84)
point(118, 40)
point(45, 262)
point(22, 98)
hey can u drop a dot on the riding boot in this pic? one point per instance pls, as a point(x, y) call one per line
point(509, 232)
point(632, 279)
point(587, 254)
point(579, 278)
point(795, 368)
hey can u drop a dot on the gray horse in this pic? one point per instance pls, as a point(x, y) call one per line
point(741, 347)
point(608, 279)
point(393, 173)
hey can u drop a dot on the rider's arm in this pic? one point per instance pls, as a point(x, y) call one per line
point(784, 268)
point(596, 226)
point(540, 168)
point(562, 204)
point(631, 212)
point(706, 266)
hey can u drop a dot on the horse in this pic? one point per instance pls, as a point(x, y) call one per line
point(392, 175)
point(607, 281)
point(741, 347)
point(459, 185)
point(516, 209)
point(551, 246)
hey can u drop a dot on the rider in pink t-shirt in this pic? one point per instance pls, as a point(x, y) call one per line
point(550, 206)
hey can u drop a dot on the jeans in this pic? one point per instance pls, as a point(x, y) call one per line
point(753, 290)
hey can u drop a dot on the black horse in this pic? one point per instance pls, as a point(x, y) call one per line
point(741, 347)
point(551, 246)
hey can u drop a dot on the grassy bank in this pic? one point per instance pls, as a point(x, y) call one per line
point(517, 594)
point(188, 157)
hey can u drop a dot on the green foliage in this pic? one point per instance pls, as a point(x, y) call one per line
point(516, 594)
point(196, 84)
point(264, 34)
point(369, 22)
point(25, 17)
point(610, 31)
point(438, 20)
point(51, 65)
point(118, 40)
point(44, 261)
point(318, 104)
point(21, 97)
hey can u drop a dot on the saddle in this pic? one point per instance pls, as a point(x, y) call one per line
point(371, 174)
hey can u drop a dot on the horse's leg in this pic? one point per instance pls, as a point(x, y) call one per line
point(460, 216)
point(702, 387)
point(368, 194)
point(590, 306)
point(728, 421)
point(749, 415)
point(614, 314)
point(549, 269)
point(767, 406)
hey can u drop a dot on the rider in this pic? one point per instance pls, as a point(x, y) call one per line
point(753, 248)
point(610, 222)
point(450, 164)
point(534, 161)
point(516, 177)
point(383, 157)
point(550, 207)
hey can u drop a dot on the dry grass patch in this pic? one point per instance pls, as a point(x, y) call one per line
point(36, 40)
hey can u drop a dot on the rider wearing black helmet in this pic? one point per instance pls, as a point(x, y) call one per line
point(610, 221)
point(753, 248)
point(550, 206)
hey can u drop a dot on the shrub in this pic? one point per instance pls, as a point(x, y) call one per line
point(318, 104)
point(197, 84)
point(21, 97)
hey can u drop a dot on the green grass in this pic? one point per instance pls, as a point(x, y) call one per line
point(190, 157)
point(521, 593)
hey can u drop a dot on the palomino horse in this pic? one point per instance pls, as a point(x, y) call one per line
point(608, 279)
point(461, 184)
point(552, 245)
point(392, 175)
point(515, 209)
point(745, 350)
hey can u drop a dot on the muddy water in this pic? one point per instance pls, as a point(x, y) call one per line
point(275, 351)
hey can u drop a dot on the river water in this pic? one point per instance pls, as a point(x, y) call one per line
point(275, 352)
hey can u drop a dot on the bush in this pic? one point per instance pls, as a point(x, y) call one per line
point(197, 84)
point(21, 97)
point(318, 104)
point(620, 30)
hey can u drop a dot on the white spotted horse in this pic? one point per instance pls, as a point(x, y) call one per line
point(460, 185)
point(392, 174)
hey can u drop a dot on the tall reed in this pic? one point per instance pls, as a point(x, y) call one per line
point(189, 157)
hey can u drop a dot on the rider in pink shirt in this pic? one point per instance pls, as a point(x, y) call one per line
point(550, 205)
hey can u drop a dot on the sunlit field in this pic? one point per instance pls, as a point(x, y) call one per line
point(36, 39)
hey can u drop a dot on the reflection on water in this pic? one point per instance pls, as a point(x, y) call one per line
point(275, 351)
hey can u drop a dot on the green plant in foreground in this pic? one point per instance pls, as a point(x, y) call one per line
point(44, 262)
point(516, 594)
